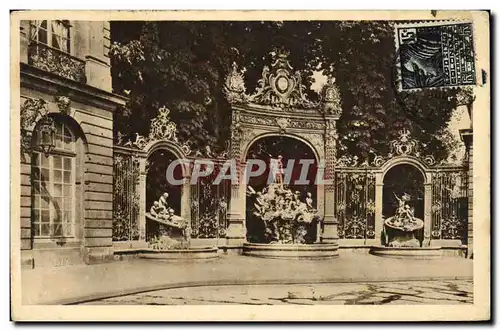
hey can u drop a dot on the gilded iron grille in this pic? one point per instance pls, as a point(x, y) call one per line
point(209, 204)
point(449, 205)
point(125, 198)
point(355, 204)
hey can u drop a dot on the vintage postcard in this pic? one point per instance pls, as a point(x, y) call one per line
point(291, 166)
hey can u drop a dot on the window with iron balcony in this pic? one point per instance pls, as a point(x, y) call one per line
point(50, 49)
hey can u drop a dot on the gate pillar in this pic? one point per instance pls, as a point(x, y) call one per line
point(142, 198)
point(379, 221)
point(330, 234)
point(427, 211)
point(236, 232)
point(186, 199)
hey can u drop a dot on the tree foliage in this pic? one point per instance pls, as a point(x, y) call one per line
point(182, 65)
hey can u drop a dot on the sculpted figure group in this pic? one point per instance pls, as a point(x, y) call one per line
point(162, 213)
point(399, 230)
point(285, 216)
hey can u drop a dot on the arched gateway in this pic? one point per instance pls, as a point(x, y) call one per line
point(280, 108)
point(353, 199)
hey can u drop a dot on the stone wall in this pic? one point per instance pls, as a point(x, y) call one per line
point(91, 110)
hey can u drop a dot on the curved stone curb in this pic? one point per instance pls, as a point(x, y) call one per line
point(407, 252)
point(181, 254)
point(289, 251)
point(238, 282)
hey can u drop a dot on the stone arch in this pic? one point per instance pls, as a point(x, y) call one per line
point(426, 173)
point(301, 138)
point(293, 146)
point(180, 202)
point(171, 147)
point(410, 160)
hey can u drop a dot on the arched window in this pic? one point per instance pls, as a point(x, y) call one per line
point(53, 187)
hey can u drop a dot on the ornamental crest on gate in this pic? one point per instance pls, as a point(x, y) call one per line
point(162, 128)
point(403, 145)
point(279, 86)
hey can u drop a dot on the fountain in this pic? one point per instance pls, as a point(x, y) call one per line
point(174, 239)
point(289, 224)
point(399, 234)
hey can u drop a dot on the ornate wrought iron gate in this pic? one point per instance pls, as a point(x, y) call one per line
point(355, 206)
point(125, 197)
point(209, 203)
point(449, 204)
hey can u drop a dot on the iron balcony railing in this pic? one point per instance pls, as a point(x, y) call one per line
point(56, 61)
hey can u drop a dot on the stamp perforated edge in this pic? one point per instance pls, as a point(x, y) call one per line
point(421, 23)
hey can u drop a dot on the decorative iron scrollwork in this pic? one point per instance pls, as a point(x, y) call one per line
point(449, 205)
point(162, 128)
point(126, 200)
point(55, 61)
point(279, 87)
point(403, 145)
point(453, 228)
point(209, 205)
point(355, 228)
point(355, 204)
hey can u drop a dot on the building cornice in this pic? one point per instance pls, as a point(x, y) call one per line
point(51, 83)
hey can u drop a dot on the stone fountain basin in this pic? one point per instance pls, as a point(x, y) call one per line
point(317, 251)
point(419, 224)
point(421, 253)
point(193, 253)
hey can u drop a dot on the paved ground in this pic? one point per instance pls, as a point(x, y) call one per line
point(377, 293)
point(74, 284)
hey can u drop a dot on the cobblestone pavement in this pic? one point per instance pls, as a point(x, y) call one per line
point(373, 293)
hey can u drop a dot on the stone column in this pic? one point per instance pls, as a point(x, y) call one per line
point(427, 211)
point(186, 198)
point(330, 233)
point(235, 234)
point(379, 221)
point(142, 198)
point(320, 205)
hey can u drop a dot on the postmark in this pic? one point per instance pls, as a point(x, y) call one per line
point(435, 55)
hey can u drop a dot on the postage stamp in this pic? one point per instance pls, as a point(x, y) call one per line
point(435, 55)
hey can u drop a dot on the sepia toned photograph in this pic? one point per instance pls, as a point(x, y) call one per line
point(277, 163)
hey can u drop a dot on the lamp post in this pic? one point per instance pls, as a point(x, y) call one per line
point(46, 135)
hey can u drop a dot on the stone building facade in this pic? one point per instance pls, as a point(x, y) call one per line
point(67, 109)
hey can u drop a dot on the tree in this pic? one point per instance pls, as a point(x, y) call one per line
point(182, 65)
point(362, 58)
